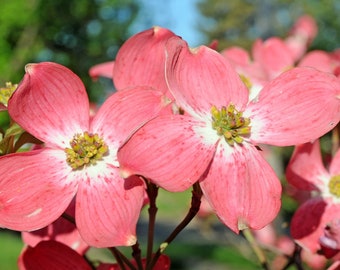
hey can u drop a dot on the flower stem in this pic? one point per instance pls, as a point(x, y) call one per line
point(69, 218)
point(137, 255)
point(295, 259)
point(152, 191)
point(121, 259)
point(195, 206)
point(258, 251)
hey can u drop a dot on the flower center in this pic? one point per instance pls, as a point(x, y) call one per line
point(85, 150)
point(334, 186)
point(229, 123)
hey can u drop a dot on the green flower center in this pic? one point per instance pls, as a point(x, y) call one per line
point(6, 92)
point(85, 150)
point(229, 123)
point(334, 186)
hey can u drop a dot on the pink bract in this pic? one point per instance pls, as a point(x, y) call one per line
point(175, 151)
point(269, 59)
point(139, 61)
point(322, 60)
point(102, 70)
point(37, 186)
point(273, 57)
point(305, 26)
point(301, 36)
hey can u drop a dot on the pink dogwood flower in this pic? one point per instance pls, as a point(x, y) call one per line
point(302, 34)
point(306, 171)
point(270, 57)
point(215, 141)
point(267, 237)
point(79, 158)
point(268, 60)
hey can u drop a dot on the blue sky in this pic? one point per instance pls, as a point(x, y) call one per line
point(180, 16)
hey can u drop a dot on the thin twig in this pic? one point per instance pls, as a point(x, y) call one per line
point(69, 218)
point(152, 191)
point(137, 255)
point(258, 251)
point(295, 259)
point(195, 206)
point(121, 259)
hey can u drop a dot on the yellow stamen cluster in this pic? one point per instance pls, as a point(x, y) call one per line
point(229, 123)
point(6, 92)
point(334, 186)
point(85, 150)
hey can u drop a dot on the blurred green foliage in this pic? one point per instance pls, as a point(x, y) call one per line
point(75, 33)
point(10, 249)
point(236, 22)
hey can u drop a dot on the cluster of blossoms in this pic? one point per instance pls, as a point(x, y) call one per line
point(180, 118)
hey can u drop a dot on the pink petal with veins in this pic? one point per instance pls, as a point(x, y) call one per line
point(238, 56)
point(51, 103)
point(288, 109)
point(125, 111)
point(273, 56)
point(242, 188)
point(141, 59)
point(168, 150)
point(35, 189)
point(108, 208)
point(318, 59)
point(201, 77)
point(305, 169)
